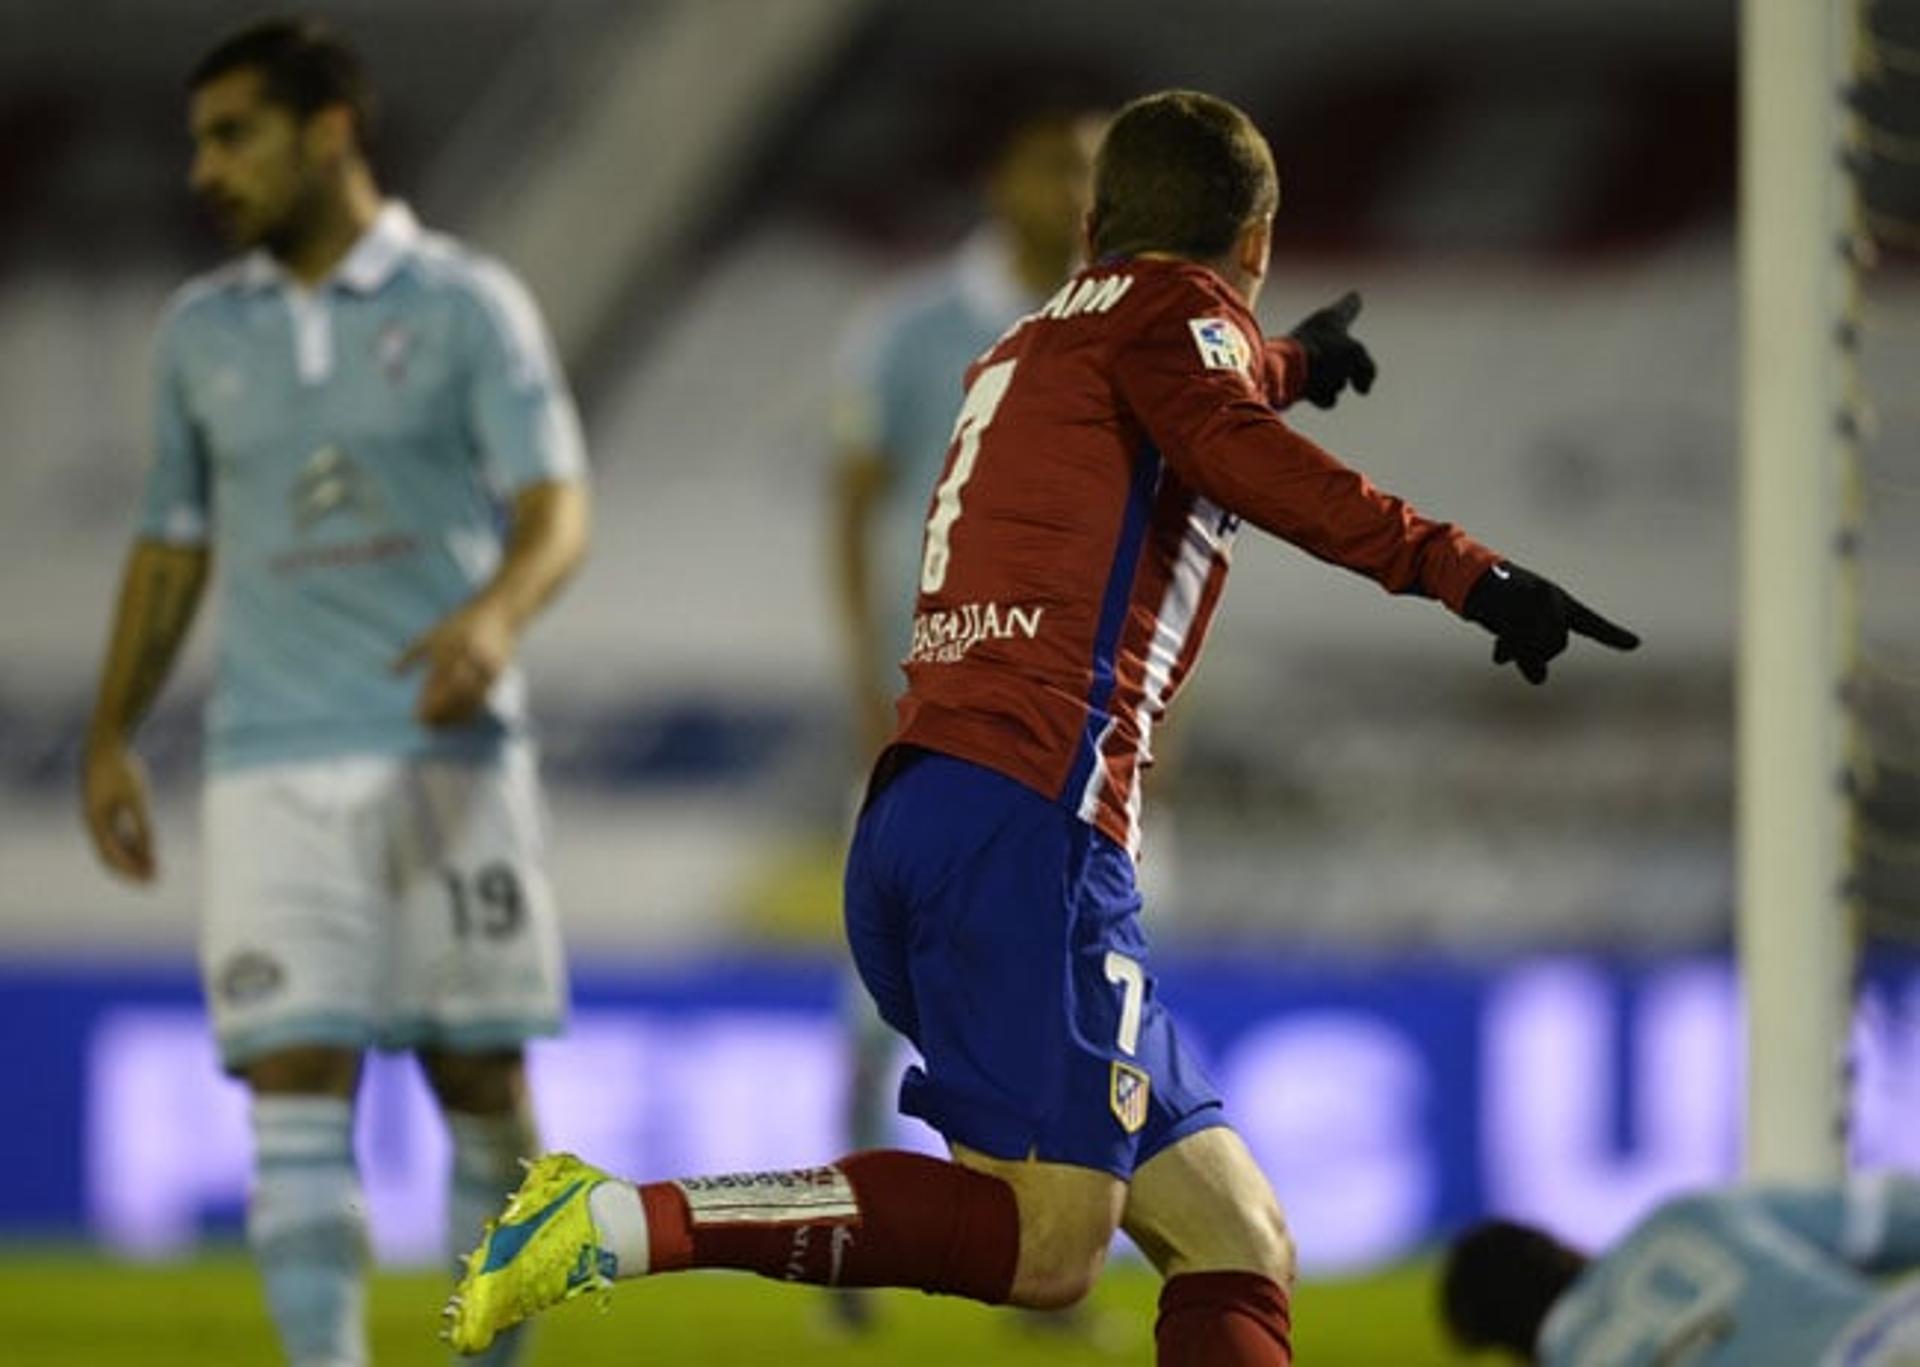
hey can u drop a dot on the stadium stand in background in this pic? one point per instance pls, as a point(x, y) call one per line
point(1546, 256)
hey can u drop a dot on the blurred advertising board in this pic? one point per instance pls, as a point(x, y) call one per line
point(1389, 1100)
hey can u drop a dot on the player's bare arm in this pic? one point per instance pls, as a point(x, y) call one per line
point(861, 480)
point(469, 648)
point(159, 595)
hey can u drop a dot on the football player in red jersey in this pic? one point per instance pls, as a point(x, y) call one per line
point(1107, 450)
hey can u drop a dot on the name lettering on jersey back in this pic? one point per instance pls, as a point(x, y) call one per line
point(1096, 295)
point(946, 636)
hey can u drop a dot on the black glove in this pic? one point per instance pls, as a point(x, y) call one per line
point(1334, 359)
point(1530, 618)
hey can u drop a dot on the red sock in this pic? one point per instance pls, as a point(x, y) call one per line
point(1223, 1319)
point(882, 1218)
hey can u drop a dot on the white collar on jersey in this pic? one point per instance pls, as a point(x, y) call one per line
point(988, 284)
point(368, 264)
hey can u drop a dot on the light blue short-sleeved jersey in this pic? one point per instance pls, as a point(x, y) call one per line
point(1759, 1278)
point(905, 379)
point(346, 452)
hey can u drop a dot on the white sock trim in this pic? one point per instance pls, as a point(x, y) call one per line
point(306, 1224)
point(302, 1130)
point(620, 1220)
point(274, 1111)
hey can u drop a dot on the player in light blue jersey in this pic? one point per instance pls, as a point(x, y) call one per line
point(1761, 1277)
point(362, 426)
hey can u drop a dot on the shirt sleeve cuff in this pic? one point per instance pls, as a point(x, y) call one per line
point(180, 526)
point(1465, 561)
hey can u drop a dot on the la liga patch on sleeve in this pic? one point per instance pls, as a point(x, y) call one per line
point(1222, 345)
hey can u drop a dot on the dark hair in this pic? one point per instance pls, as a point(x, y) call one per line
point(1180, 172)
point(304, 66)
point(1041, 120)
point(1500, 1280)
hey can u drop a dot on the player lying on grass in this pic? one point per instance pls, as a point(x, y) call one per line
point(1768, 1277)
point(1106, 451)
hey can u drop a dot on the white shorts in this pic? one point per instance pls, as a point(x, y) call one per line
point(378, 900)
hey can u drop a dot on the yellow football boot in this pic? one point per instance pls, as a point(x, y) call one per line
point(542, 1250)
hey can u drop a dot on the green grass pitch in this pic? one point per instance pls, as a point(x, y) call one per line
point(59, 1309)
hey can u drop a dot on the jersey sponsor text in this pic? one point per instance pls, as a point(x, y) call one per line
point(946, 635)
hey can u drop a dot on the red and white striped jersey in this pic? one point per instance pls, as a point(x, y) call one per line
point(1107, 449)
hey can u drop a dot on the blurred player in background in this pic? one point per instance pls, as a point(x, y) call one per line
point(342, 418)
point(1760, 1277)
point(895, 420)
point(895, 416)
point(1106, 452)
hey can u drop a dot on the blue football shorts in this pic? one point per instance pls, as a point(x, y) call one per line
point(1001, 935)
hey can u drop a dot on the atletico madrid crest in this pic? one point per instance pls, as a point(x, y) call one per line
point(1127, 1094)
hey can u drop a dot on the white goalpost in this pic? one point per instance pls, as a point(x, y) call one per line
point(1795, 927)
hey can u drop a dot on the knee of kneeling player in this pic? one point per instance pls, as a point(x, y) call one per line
point(1255, 1239)
point(1057, 1278)
point(1271, 1248)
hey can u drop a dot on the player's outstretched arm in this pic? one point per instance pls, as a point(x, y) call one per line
point(1215, 427)
point(159, 594)
point(470, 647)
point(1532, 619)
